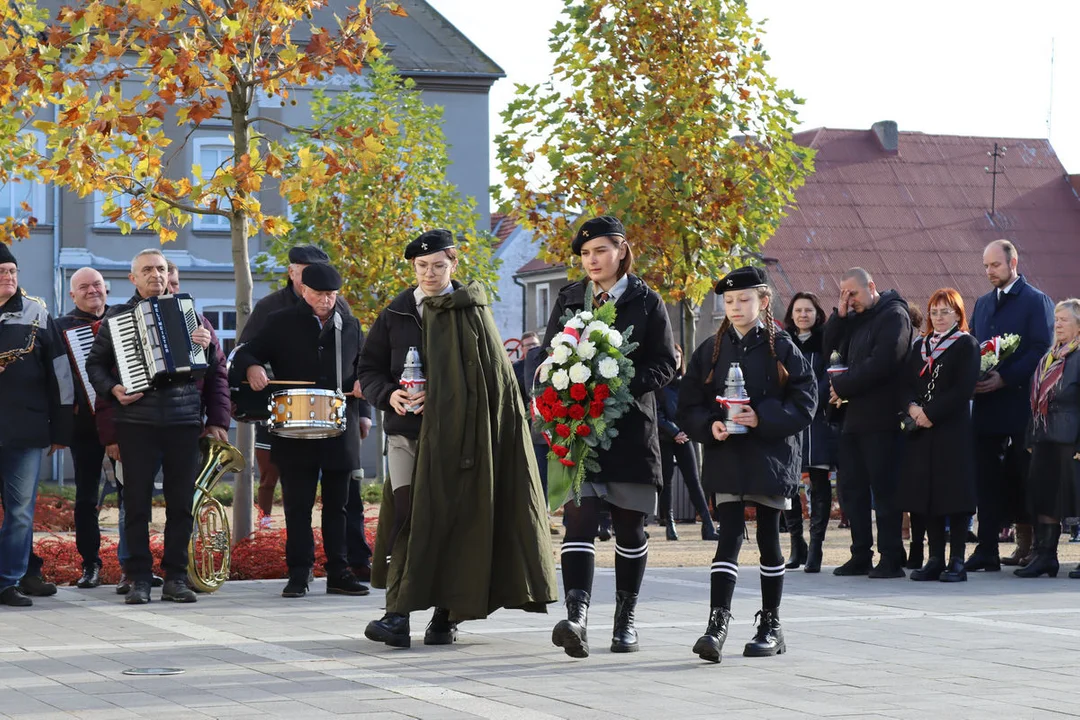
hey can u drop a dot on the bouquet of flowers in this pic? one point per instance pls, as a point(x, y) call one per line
point(584, 387)
point(994, 350)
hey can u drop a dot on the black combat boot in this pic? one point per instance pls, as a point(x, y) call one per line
point(769, 638)
point(820, 507)
point(570, 634)
point(669, 526)
point(624, 636)
point(391, 629)
point(710, 645)
point(440, 631)
point(1046, 556)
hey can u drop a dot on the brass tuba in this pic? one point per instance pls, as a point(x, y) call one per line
point(210, 548)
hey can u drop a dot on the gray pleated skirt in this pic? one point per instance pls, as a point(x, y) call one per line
point(778, 502)
point(629, 496)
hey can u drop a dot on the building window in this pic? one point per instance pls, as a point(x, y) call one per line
point(223, 318)
point(542, 309)
point(18, 191)
point(718, 304)
point(210, 154)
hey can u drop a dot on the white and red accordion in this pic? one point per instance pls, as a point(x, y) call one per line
point(152, 341)
point(79, 340)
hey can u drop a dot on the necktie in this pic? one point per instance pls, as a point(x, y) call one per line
point(1000, 296)
point(601, 299)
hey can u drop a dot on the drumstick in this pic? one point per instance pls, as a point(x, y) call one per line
point(285, 382)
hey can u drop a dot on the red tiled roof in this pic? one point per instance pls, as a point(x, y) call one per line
point(502, 224)
point(537, 265)
point(918, 219)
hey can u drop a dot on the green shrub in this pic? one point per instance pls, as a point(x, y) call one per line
point(371, 493)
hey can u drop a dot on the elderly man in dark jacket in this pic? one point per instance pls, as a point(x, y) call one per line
point(872, 332)
point(300, 343)
point(37, 392)
point(1001, 410)
point(158, 428)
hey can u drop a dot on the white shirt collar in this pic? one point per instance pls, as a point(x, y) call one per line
point(1007, 288)
point(760, 323)
point(616, 290)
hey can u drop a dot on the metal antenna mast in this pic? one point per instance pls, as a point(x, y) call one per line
point(999, 152)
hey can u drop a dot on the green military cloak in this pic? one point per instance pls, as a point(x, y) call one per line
point(478, 538)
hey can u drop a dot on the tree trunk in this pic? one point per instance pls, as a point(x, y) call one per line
point(689, 317)
point(243, 500)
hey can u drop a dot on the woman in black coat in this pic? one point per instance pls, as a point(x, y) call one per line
point(803, 322)
point(939, 464)
point(1054, 435)
point(630, 470)
point(753, 455)
point(676, 448)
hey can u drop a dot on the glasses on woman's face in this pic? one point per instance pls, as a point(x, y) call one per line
point(942, 312)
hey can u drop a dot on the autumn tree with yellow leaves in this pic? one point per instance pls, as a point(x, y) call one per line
point(118, 86)
point(662, 113)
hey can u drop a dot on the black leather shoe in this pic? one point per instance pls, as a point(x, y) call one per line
point(157, 581)
point(885, 569)
point(931, 571)
point(91, 577)
point(12, 597)
point(853, 567)
point(915, 557)
point(978, 561)
point(955, 571)
point(392, 629)
point(571, 634)
point(710, 646)
point(139, 594)
point(813, 557)
point(440, 631)
point(708, 530)
point(345, 584)
point(123, 585)
point(624, 636)
point(35, 586)
point(294, 589)
point(178, 591)
point(769, 638)
point(799, 551)
point(604, 534)
point(1075, 573)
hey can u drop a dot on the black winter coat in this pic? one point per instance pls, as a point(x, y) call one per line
point(874, 345)
point(281, 299)
point(939, 462)
point(1063, 414)
point(172, 402)
point(819, 441)
point(36, 391)
point(528, 364)
point(397, 328)
point(634, 455)
point(768, 459)
point(667, 405)
point(295, 348)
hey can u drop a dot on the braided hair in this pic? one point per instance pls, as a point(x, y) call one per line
point(770, 327)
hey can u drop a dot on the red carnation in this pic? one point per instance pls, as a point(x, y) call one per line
point(577, 412)
point(567, 463)
point(583, 430)
point(601, 392)
point(550, 395)
point(559, 410)
point(578, 392)
point(545, 412)
point(562, 430)
point(596, 409)
point(560, 450)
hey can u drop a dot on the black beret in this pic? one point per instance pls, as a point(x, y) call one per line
point(432, 241)
point(321, 277)
point(6, 256)
point(307, 255)
point(597, 227)
point(742, 279)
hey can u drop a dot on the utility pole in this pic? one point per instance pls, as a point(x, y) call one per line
point(999, 152)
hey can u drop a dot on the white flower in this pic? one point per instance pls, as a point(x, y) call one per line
point(593, 327)
point(565, 339)
point(608, 368)
point(560, 354)
point(560, 379)
point(579, 373)
point(614, 337)
point(586, 349)
point(575, 322)
point(586, 316)
point(545, 371)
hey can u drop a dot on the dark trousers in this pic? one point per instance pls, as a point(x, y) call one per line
point(1001, 464)
point(683, 455)
point(88, 454)
point(358, 550)
point(869, 474)
point(541, 451)
point(143, 449)
point(298, 484)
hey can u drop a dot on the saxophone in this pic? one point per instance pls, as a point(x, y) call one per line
point(9, 356)
point(210, 548)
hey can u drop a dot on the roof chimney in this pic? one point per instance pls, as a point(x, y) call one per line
point(887, 135)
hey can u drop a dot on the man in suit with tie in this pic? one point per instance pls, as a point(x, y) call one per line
point(1001, 402)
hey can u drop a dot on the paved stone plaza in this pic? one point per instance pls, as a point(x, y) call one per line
point(996, 647)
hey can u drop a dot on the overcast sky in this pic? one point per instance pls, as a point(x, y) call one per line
point(962, 67)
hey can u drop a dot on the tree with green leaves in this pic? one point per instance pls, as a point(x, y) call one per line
point(663, 114)
point(364, 219)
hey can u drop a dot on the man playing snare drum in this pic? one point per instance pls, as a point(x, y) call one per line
point(300, 344)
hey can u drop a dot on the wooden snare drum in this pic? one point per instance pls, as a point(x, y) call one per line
point(307, 413)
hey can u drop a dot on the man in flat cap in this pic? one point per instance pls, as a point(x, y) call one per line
point(300, 257)
point(305, 343)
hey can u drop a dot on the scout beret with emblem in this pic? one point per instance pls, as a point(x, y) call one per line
point(742, 279)
point(597, 227)
point(307, 255)
point(321, 277)
point(432, 241)
point(6, 256)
